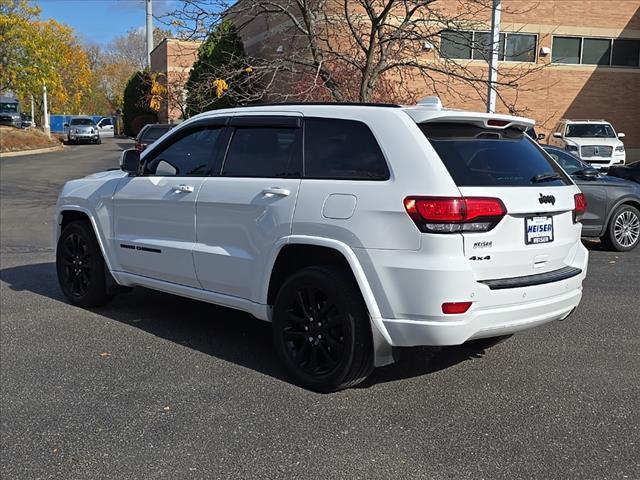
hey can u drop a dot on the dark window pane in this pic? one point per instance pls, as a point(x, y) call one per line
point(482, 46)
point(455, 44)
point(479, 157)
point(568, 162)
point(262, 152)
point(189, 155)
point(625, 53)
point(565, 50)
point(342, 149)
point(520, 48)
point(596, 51)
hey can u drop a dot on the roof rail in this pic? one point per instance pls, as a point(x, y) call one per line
point(331, 104)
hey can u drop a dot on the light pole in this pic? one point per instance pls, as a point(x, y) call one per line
point(493, 60)
point(45, 112)
point(149, 32)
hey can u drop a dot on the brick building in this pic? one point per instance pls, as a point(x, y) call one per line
point(584, 57)
point(173, 59)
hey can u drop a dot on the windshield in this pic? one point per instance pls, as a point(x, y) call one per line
point(82, 121)
point(9, 107)
point(481, 157)
point(598, 130)
point(568, 162)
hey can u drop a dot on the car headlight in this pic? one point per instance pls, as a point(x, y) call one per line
point(620, 148)
point(571, 148)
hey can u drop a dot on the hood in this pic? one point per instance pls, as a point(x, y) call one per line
point(612, 142)
point(106, 175)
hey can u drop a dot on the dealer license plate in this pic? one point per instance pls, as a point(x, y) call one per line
point(538, 230)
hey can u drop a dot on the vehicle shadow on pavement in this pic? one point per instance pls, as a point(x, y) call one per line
point(224, 333)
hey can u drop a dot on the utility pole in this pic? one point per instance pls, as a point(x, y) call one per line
point(45, 112)
point(149, 32)
point(33, 118)
point(493, 60)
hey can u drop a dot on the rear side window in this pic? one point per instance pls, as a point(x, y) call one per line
point(342, 149)
point(154, 133)
point(263, 152)
point(481, 157)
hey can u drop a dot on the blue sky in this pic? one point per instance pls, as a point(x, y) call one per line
point(99, 21)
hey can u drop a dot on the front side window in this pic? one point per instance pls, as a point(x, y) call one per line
point(190, 155)
point(263, 152)
point(483, 157)
point(568, 162)
point(598, 130)
point(342, 149)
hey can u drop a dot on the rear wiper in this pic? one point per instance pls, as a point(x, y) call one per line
point(545, 177)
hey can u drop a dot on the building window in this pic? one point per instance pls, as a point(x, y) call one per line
point(456, 44)
point(596, 51)
point(626, 53)
point(566, 50)
point(513, 47)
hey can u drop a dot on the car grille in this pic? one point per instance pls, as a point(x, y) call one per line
point(602, 151)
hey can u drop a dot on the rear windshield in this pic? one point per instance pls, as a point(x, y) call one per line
point(481, 157)
point(154, 133)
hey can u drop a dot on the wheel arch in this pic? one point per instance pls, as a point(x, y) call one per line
point(301, 251)
point(70, 213)
point(627, 200)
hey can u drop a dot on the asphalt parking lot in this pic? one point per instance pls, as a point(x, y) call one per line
point(156, 386)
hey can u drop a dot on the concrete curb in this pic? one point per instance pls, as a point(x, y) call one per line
point(31, 152)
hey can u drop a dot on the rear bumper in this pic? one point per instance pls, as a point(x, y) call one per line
point(489, 322)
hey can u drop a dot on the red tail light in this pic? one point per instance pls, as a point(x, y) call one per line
point(455, 214)
point(580, 207)
point(455, 307)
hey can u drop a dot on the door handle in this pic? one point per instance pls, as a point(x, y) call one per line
point(182, 188)
point(273, 191)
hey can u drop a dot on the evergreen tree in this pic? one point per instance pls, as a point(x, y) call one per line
point(136, 112)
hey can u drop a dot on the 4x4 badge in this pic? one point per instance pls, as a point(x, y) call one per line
point(547, 199)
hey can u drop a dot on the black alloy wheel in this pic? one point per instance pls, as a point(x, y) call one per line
point(80, 266)
point(321, 329)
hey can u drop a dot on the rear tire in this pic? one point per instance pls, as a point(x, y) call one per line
point(80, 266)
point(321, 330)
point(623, 230)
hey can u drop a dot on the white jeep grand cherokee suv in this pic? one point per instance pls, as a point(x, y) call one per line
point(593, 141)
point(353, 228)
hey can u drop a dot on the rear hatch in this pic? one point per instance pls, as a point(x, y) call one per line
point(535, 232)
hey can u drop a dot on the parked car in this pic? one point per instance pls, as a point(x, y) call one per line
point(593, 141)
point(82, 129)
point(26, 121)
point(150, 133)
point(10, 111)
point(105, 126)
point(630, 171)
point(353, 228)
point(613, 204)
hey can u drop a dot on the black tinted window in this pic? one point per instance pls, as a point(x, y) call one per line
point(479, 157)
point(568, 162)
point(188, 156)
point(151, 134)
point(263, 152)
point(342, 149)
point(82, 121)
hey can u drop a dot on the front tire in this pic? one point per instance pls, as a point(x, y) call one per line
point(623, 231)
point(80, 266)
point(321, 330)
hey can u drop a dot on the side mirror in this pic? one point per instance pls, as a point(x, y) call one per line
point(589, 174)
point(165, 169)
point(541, 136)
point(130, 161)
point(65, 125)
point(621, 135)
point(557, 134)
